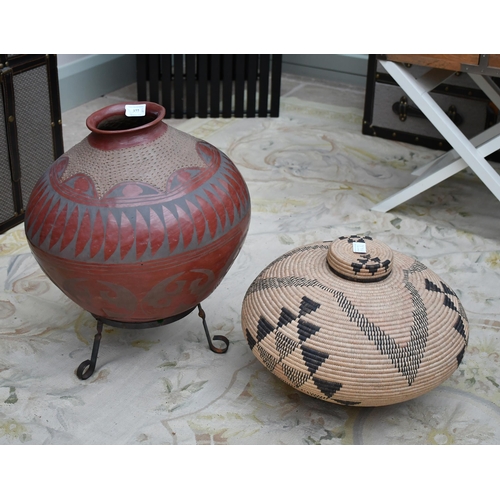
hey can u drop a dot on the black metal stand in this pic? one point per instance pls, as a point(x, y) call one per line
point(86, 369)
point(218, 350)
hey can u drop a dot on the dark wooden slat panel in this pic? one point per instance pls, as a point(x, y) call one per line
point(190, 85)
point(166, 84)
point(276, 65)
point(264, 64)
point(227, 85)
point(214, 85)
point(178, 85)
point(141, 70)
point(251, 84)
point(202, 85)
point(154, 78)
point(239, 85)
point(193, 84)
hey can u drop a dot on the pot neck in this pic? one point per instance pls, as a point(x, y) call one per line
point(112, 129)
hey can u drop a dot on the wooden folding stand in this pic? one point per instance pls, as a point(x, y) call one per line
point(465, 152)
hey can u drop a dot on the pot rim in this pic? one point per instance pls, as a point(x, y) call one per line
point(118, 109)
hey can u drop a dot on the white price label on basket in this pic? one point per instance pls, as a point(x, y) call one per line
point(135, 110)
point(358, 247)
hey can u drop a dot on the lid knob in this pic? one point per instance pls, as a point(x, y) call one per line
point(360, 258)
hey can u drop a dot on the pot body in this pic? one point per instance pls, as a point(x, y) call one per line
point(138, 223)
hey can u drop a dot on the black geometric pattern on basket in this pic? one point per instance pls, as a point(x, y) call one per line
point(284, 345)
point(312, 359)
point(447, 302)
point(286, 256)
point(366, 261)
point(459, 325)
point(296, 377)
point(405, 359)
point(355, 238)
point(363, 263)
point(268, 359)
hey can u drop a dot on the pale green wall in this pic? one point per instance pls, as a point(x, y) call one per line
point(84, 78)
point(345, 68)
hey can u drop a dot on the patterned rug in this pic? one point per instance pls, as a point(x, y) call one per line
point(312, 176)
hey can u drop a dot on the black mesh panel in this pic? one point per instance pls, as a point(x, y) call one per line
point(34, 127)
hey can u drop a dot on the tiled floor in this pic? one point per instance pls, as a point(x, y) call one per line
point(312, 176)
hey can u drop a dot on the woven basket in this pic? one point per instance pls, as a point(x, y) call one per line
point(370, 327)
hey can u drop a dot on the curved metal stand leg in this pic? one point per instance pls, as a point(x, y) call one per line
point(218, 350)
point(86, 369)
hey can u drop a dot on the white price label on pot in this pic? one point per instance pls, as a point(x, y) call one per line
point(135, 110)
point(358, 247)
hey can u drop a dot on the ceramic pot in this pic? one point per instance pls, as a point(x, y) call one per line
point(355, 323)
point(139, 221)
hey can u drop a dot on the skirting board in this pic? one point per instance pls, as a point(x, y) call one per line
point(90, 77)
point(343, 68)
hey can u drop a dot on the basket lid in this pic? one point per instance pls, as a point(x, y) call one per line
point(360, 258)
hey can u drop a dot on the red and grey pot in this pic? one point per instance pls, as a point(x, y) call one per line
point(139, 222)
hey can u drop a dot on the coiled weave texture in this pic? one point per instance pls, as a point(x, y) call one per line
point(310, 320)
